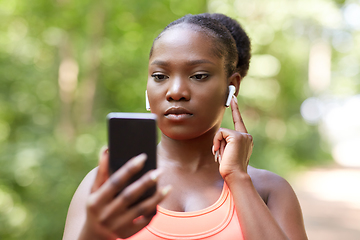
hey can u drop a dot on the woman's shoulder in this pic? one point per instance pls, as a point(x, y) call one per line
point(268, 183)
point(280, 199)
point(77, 210)
point(90, 176)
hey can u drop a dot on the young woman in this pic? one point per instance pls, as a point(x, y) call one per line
point(206, 189)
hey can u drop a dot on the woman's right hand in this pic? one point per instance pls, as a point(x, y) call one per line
point(112, 216)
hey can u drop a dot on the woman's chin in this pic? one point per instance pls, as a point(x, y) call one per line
point(180, 134)
point(183, 134)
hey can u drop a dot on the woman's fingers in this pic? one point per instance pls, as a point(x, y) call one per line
point(147, 208)
point(237, 119)
point(132, 193)
point(117, 181)
point(219, 141)
point(222, 149)
point(139, 215)
point(235, 150)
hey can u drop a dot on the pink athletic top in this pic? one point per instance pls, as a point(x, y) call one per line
point(219, 221)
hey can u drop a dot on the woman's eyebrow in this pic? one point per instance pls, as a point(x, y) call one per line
point(199, 61)
point(191, 62)
point(160, 63)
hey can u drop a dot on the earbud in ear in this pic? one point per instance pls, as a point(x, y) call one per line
point(147, 104)
point(232, 90)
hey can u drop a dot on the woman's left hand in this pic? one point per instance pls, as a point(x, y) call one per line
point(234, 146)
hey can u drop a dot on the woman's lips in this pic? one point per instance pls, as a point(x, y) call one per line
point(177, 113)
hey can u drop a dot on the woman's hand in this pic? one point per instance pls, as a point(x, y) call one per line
point(233, 148)
point(112, 216)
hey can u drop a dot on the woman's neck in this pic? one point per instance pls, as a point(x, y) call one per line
point(189, 155)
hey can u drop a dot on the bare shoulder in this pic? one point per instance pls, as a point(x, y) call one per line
point(77, 210)
point(83, 190)
point(265, 176)
point(281, 200)
point(268, 183)
point(88, 180)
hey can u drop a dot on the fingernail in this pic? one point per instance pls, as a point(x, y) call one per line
point(166, 190)
point(154, 175)
point(103, 150)
point(235, 98)
point(212, 150)
point(216, 155)
point(219, 158)
point(140, 159)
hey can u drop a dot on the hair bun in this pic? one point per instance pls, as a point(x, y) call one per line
point(241, 38)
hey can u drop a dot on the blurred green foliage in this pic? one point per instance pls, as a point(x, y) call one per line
point(65, 64)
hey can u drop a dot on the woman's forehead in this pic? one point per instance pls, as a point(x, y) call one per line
point(185, 42)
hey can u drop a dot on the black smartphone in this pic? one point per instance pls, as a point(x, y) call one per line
point(130, 134)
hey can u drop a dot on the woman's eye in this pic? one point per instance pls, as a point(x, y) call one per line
point(159, 77)
point(200, 76)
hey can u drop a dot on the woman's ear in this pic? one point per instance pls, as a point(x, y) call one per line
point(235, 80)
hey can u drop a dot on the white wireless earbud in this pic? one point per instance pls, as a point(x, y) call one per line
point(147, 104)
point(232, 90)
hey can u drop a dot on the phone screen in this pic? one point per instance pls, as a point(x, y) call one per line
point(130, 134)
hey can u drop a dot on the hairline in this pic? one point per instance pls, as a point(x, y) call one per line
point(218, 52)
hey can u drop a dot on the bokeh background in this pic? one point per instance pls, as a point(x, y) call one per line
point(65, 64)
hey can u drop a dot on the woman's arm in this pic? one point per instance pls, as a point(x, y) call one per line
point(284, 206)
point(281, 218)
point(77, 210)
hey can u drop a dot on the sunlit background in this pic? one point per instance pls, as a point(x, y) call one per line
point(65, 64)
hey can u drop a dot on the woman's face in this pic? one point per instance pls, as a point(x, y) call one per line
point(187, 84)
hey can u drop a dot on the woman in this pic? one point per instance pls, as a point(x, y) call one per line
point(215, 193)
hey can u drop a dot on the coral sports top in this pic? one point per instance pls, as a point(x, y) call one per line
point(219, 221)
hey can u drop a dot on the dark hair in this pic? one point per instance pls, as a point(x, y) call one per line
point(233, 41)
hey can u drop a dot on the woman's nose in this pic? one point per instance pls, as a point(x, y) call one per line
point(178, 90)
